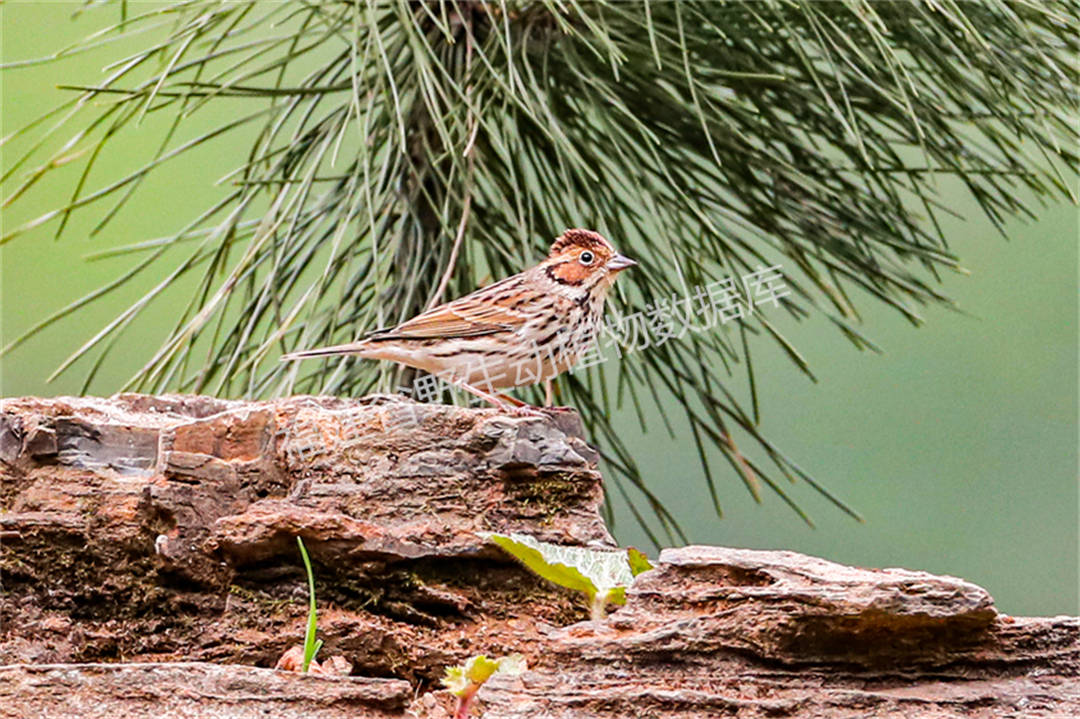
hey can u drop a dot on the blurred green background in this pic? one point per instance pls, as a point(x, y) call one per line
point(958, 445)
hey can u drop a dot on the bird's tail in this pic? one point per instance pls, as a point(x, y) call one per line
point(353, 348)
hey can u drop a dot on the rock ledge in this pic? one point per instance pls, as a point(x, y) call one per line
point(149, 569)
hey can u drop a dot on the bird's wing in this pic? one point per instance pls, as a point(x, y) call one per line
point(486, 311)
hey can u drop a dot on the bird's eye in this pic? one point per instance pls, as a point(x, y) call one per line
point(586, 258)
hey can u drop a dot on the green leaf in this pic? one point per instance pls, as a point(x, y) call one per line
point(455, 680)
point(464, 680)
point(592, 571)
point(554, 563)
point(311, 645)
point(638, 561)
point(479, 668)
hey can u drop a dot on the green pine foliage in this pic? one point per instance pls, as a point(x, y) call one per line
point(404, 153)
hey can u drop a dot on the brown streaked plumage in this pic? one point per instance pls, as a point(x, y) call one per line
point(518, 331)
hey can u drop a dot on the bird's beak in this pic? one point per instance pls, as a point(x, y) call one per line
point(620, 262)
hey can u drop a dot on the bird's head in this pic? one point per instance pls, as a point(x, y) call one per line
point(584, 260)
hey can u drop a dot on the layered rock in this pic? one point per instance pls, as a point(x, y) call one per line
point(129, 523)
point(191, 689)
point(729, 632)
point(149, 568)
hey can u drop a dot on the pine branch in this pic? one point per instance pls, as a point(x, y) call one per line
point(402, 152)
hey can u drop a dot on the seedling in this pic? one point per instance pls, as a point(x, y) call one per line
point(465, 680)
point(311, 644)
point(601, 575)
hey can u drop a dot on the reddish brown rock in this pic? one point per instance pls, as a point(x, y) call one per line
point(188, 689)
point(381, 478)
point(729, 632)
point(156, 514)
point(293, 661)
point(158, 534)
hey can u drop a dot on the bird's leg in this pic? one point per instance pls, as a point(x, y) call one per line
point(511, 399)
point(524, 410)
point(549, 397)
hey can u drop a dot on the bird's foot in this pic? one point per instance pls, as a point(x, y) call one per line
point(526, 410)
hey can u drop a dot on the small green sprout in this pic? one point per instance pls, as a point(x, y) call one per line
point(601, 575)
point(311, 644)
point(464, 681)
point(638, 561)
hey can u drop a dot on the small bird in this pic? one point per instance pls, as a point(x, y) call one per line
point(519, 331)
